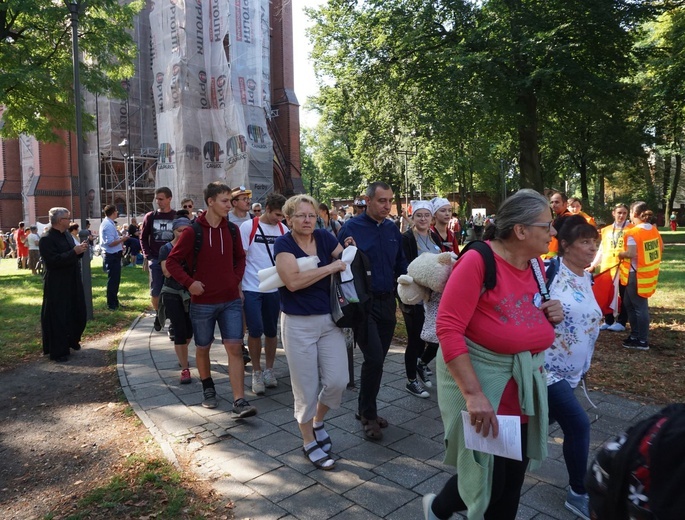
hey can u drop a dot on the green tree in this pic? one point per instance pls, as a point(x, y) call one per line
point(36, 61)
point(455, 77)
point(663, 82)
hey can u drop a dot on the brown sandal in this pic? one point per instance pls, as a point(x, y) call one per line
point(372, 430)
point(383, 423)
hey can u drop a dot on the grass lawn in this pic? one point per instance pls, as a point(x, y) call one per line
point(22, 296)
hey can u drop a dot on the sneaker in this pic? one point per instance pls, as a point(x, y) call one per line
point(157, 325)
point(421, 371)
point(635, 344)
point(258, 382)
point(185, 377)
point(209, 400)
point(427, 502)
point(616, 327)
point(578, 504)
point(416, 388)
point(604, 326)
point(242, 409)
point(270, 380)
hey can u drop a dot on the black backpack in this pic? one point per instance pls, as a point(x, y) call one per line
point(197, 229)
point(489, 259)
point(348, 313)
point(641, 474)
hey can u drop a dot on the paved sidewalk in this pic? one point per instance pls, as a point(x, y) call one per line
point(258, 462)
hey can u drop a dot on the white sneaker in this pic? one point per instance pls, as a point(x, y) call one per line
point(258, 382)
point(616, 327)
point(270, 380)
point(427, 502)
point(604, 326)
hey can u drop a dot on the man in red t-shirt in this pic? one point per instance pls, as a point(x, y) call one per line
point(21, 239)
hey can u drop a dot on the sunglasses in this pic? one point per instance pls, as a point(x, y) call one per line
point(187, 206)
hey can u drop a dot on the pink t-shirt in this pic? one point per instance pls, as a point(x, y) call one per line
point(505, 319)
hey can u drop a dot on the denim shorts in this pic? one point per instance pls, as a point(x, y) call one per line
point(228, 315)
point(261, 313)
point(156, 277)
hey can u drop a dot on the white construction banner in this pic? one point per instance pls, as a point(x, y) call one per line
point(210, 109)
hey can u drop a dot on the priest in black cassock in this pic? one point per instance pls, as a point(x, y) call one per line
point(63, 317)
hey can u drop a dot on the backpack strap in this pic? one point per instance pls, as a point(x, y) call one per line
point(540, 279)
point(255, 225)
point(489, 259)
point(197, 245)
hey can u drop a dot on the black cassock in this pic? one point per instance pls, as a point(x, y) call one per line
point(63, 317)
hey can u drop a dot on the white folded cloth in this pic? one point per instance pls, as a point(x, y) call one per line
point(269, 279)
point(348, 255)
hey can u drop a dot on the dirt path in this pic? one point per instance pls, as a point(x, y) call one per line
point(63, 431)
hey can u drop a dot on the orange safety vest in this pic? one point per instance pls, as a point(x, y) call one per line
point(649, 252)
point(611, 246)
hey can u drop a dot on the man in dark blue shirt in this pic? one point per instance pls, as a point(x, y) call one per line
point(378, 237)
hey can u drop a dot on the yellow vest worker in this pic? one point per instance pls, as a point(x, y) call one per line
point(649, 248)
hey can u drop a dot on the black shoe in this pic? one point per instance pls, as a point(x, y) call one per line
point(113, 308)
point(157, 325)
point(76, 347)
point(246, 356)
point(242, 409)
point(62, 359)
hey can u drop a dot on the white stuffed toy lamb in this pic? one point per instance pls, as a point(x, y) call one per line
point(424, 282)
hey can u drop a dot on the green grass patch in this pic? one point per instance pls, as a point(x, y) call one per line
point(672, 237)
point(21, 300)
point(145, 488)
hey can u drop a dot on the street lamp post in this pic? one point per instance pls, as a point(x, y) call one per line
point(127, 154)
point(74, 8)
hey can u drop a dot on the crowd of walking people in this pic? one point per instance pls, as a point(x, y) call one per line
point(514, 327)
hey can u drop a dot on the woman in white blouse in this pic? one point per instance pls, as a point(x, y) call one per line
point(568, 359)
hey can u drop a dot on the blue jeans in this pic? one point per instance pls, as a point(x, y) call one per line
point(204, 317)
point(565, 409)
point(638, 309)
point(112, 266)
point(261, 313)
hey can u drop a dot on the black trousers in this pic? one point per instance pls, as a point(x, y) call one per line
point(507, 481)
point(416, 347)
point(380, 329)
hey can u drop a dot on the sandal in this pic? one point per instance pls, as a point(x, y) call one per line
point(318, 463)
point(325, 444)
point(372, 429)
point(383, 423)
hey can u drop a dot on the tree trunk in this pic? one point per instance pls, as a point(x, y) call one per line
point(529, 153)
point(667, 182)
point(583, 180)
point(674, 186)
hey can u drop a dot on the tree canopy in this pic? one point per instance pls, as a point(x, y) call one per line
point(36, 85)
point(530, 93)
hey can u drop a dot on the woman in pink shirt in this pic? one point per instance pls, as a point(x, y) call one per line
point(492, 343)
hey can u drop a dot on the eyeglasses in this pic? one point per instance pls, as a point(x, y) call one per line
point(547, 225)
point(305, 216)
point(243, 199)
point(187, 206)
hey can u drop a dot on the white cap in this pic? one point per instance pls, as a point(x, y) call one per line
point(421, 204)
point(439, 202)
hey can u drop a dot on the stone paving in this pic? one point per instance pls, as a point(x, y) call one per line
point(258, 462)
